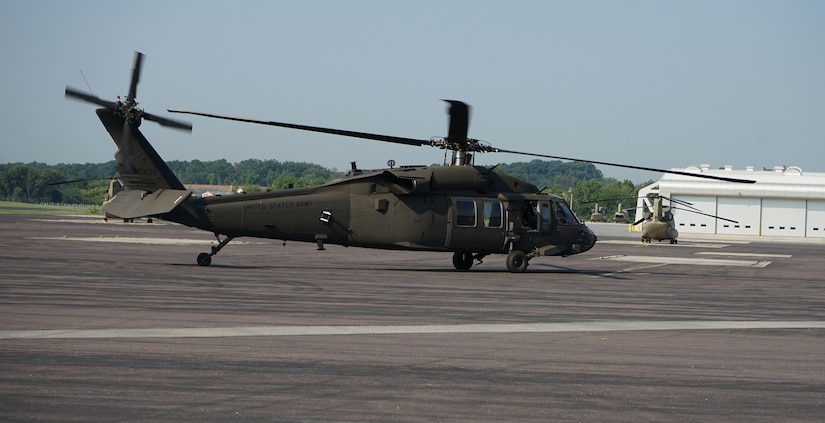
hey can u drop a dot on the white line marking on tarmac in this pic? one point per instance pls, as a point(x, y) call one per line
point(636, 269)
point(687, 260)
point(129, 240)
point(721, 253)
point(137, 240)
point(243, 331)
point(666, 244)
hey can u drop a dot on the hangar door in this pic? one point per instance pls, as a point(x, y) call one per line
point(745, 211)
point(781, 217)
point(815, 221)
point(695, 223)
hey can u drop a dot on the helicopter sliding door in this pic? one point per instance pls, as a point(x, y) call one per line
point(386, 220)
point(477, 225)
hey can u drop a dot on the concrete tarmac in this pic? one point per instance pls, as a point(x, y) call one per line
point(115, 322)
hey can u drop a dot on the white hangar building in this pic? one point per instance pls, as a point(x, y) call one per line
point(784, 201)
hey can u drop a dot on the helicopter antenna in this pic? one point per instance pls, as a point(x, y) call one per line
point(87, 83)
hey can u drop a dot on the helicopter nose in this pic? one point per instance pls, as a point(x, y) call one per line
point(588, 238)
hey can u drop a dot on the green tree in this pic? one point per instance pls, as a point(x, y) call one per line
point(554, 175)
point(28, 184)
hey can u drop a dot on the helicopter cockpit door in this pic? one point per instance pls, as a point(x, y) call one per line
point(537, 216)
point(546, 222)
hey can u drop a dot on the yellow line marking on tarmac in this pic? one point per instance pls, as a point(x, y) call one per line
point(245, 331)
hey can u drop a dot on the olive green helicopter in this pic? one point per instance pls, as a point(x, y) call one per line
point(658, 220)
point(467, 210)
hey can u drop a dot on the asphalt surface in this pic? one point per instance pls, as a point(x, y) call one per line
point(115, 322)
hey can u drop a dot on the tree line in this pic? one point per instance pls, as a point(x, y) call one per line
point(30, 182)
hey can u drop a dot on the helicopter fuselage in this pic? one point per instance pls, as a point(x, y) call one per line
point(457, 209)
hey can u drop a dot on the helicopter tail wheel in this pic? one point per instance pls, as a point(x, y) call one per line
point(204, 259)
point(463, 260)
point(516, 261)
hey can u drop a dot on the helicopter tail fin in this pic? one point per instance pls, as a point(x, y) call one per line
point(139, 165)
point(133, 203)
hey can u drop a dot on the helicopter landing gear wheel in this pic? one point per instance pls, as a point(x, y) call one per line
point(516, 261)
point(463, 261)
point(204, 259)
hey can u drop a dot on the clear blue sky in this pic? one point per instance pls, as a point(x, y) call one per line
point(650, 83)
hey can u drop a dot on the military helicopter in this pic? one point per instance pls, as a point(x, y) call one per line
point(598, 214)
point(469, 211)
point(659, 223)
point(621, 214)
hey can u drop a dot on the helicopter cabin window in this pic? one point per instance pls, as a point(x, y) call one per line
point(492, 214)
point(465, 213)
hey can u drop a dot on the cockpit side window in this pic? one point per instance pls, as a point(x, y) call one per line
point(546, 217)
point(564, 215)
point(529, 216)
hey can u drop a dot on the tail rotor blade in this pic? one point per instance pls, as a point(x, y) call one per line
point(135, 76)
point(172, 123)
point(126, 150)
point(80, 95)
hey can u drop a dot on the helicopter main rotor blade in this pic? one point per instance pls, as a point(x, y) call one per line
point(456, 140)
point(459, 123)
point(705, 214)
point(80, 95)
point(355, 134)
point(172, 123)
point(77, 180)
point(682, 202)
point(650, 169)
